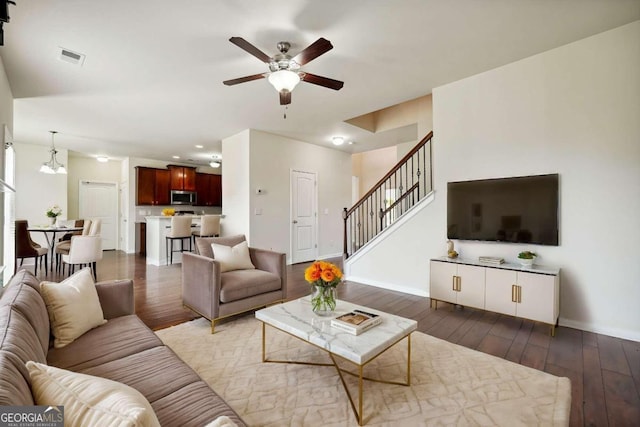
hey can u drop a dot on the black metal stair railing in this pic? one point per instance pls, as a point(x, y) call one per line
point(399, 190)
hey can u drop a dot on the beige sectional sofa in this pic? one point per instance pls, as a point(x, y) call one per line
point(124, 350)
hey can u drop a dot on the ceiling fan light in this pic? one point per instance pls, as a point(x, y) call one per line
point(214, 164)
point(338, 140)
point(284, 80)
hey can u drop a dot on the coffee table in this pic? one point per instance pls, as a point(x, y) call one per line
point(297, 319)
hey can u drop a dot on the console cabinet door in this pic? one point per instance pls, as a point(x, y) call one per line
point(538, 297)
point(442, 281)
point(471, 284)
point(499, 291)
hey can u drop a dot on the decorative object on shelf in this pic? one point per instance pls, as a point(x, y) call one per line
point(53, 166)
point(451, 253)
point(168, 212)
point(53, 213)
point(526, 258)
point(324, 277)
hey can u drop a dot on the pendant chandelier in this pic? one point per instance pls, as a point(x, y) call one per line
point(53, 165)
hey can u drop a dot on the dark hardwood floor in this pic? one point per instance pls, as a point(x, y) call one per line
point(604, 371)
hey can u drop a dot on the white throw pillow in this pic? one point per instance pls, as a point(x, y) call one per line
point(89, 400)
point(73, 306)
point(232, 258)
point(222, 421)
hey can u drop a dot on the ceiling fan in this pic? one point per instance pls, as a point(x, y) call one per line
point(284, 71)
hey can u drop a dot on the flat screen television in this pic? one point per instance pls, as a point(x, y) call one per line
point(519, 210)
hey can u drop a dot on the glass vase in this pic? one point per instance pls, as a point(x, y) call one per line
point(323, 300)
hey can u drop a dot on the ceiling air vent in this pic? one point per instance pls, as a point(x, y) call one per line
point(70, 56)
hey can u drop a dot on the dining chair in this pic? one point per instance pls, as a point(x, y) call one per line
point(84, 250)
point(27, 248)
point(180, 230)
point(62, 248)
point(96, 227)
point(209, 227)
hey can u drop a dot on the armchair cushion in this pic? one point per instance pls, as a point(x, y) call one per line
point(232, 257)
point(240, 284)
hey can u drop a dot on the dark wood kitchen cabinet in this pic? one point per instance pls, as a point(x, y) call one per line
point(183, 178)
point(152, 186)
point(209, 189)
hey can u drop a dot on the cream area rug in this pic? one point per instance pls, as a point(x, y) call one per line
point(450, 384)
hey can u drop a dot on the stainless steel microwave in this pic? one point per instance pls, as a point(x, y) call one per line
point(179, 197)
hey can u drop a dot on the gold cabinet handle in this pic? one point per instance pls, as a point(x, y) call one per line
point(519, 294)
point(459, 284)
point(453, 283)
point(513, 293)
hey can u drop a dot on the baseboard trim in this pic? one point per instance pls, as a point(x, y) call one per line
point(612, 332)
point(388, 286)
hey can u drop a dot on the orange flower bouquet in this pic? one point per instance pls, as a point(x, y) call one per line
point(324, 277)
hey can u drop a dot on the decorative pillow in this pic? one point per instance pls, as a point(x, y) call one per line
point(73, 307)
point(222, 421)
point(89, 400)
point(232, 258)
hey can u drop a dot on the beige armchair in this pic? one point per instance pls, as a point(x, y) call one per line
point(216, 295)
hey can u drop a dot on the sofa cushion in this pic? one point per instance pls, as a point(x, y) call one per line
point(232, 257)
point(19, 343)
point(118, 338)
point(88, 400)
point(73, 306)
point(240, 284)
point(26, 299)
point(25, 277)
point(193, 406)
point(14, 387)
point(203, 244)
point(148, 371)
point(18, 337)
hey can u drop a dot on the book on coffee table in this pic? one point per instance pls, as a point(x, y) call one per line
point(356, 322)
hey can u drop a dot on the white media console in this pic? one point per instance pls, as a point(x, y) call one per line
point(527, 292)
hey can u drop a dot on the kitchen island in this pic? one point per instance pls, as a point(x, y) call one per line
point(157, 229)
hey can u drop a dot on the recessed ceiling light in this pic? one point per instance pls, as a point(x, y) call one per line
point(102, 159)
point(176, 157)
point(199, 146)
point(338, 140)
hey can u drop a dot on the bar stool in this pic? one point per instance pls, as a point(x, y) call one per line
point(180, 230)
point(209, 227)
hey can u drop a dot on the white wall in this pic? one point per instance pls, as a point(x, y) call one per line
point(272, 159)
point(371, 166)
point(6, 118)
point(36, 191)
point(87, 169)
point(235, 184)
point(574, 111)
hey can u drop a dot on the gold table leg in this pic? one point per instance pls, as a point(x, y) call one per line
point(358, 411)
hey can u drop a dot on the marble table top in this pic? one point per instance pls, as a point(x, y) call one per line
point(297, 318)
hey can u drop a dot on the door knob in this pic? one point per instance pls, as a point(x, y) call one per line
point(295, 221)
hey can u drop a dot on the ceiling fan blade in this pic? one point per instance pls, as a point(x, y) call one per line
point(314, 50)
point(285, 97)
point(322, 81)
point(243, 79)
point(248, 47)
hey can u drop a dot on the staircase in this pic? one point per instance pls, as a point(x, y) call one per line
point(406, 184)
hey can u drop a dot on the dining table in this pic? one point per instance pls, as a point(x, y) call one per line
point(50, 233)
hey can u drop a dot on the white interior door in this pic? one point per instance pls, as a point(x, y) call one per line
point(99, 200)
point(303, 216)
